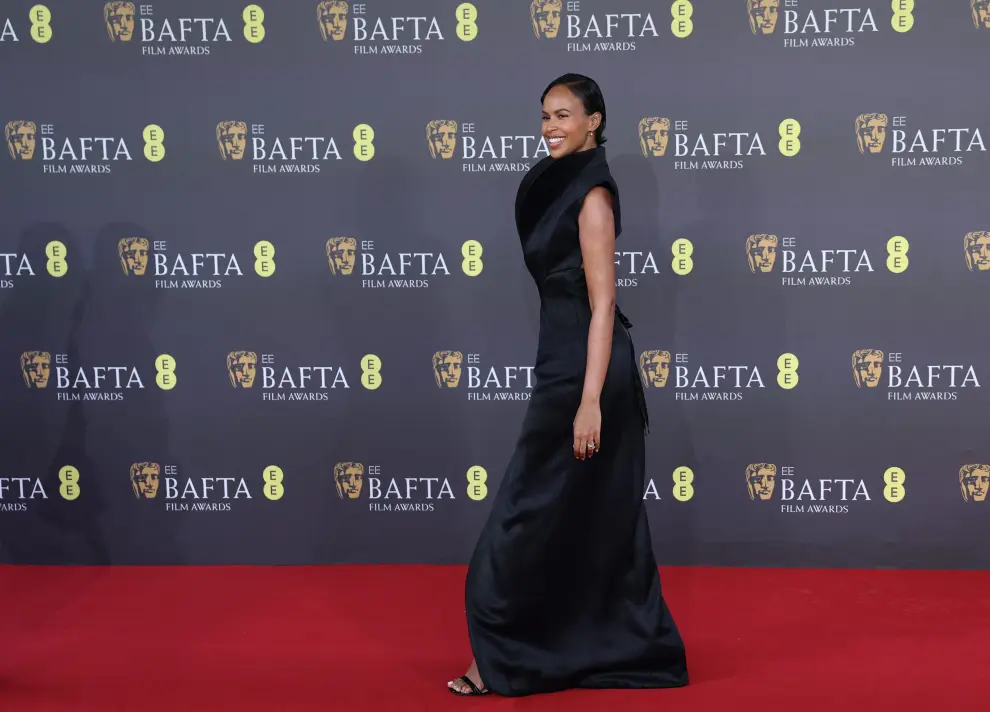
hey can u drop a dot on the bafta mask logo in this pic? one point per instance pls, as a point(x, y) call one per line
point(974, 480)
point(763, 16)
point(447, 368)
point(441, 134)
point(242, 366)
point(654, 134)
point(133, 252)
point(36, 367)
point(20, 136)
point(348, 477)
point(977, 245)
point(332, 16)
point(981, 13)
point(545, 15)
point(871, 132)
point(760, 479)
point(341, 254)
point(144, 479)
point(232, 139)
point(761, 252)
point(867, 365)
point(655, 367)
point(119, 17)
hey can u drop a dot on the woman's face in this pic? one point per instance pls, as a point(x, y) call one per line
point(566, 127)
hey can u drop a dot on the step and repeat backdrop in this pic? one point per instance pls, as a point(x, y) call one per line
point(262, 299)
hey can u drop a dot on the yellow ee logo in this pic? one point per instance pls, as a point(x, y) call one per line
point(154, 148)
point(264, 258)
point(364, 147)
point(254, 24)
point(902, 20)
point(897, 258)
point(55, 252)
point(893, 490)
point(41, 28)
point(471, 252)
point(69, 477)
point(371, 372)
point(787, 371)
point(682, 250)
point(165, 372)
point(477, 477)
point(681, 11)
point(272, 477)
point(467, 19)
point(683, 488)
point(789, 144)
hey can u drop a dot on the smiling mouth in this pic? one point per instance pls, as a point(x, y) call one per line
point(555, 140)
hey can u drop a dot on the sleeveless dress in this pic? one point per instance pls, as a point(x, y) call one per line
point(562, 589)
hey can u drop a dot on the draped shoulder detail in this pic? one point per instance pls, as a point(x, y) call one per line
point(554, 184)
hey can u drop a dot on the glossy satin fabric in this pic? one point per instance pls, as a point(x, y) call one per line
point(562, 589)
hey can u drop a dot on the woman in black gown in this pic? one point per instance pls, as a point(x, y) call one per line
point(562, 588)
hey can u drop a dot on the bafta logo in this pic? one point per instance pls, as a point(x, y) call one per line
point(20, 136)
point(981, 13)
point(977, 246)
point(242, 366)
point(348, 478)
point(867, 366)
point(119, 18)
point(871, 132)
point(654, 134)
point(441, 135)
point(761, 252)
point(447, 368)
point(763, 16)
point(655, 367)
point(133, 252)
point(341, 254)
point(760, 479)
point(144, 479)
point(974, 480)
point(232, 139)
point(36, 367)
point(545, 15)
point(332, 16)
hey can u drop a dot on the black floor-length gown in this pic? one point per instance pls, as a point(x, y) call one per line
point(562, 589)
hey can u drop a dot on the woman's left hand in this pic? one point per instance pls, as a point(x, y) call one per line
point(587, 430)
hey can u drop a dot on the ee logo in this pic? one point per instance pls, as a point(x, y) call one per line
point(68, 476)
point(787, 371)
point(897, 257)
point(364, 146)
point(902, 20)
point(371, 372)
point(477, 477)
point(893, 484)
point(789, 144)
point(55, 252)
point(41, 28)
point(154, 146)
point(165, 372)
point(272, 478)
point(682, 249)
point(254, 24)
point(264, 258)
point(683, 484)
point(467, 19)
point(681, 11)
point(471, 252)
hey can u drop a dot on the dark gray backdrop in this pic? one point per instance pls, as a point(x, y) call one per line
point(719, 78)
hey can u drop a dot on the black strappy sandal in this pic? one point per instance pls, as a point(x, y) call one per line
point(475, 692)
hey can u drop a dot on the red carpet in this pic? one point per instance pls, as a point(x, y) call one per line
point(388, 638)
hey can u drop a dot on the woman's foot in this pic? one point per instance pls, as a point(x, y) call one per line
point(463, 688)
